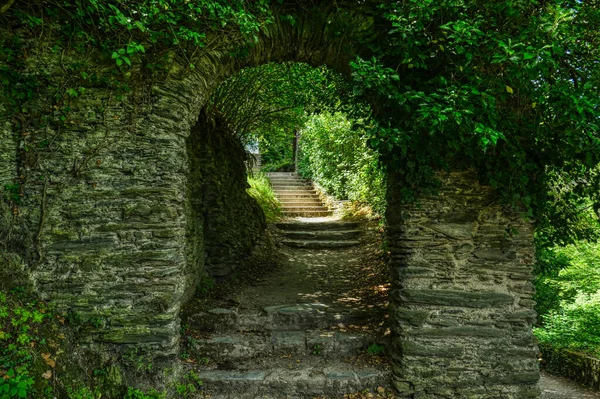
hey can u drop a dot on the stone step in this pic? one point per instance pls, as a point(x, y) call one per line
point(307, 214)
point(322, 235)
point(309, 190)
point(287, 206)
point(299, 195)
point(297, 187)
point(236, 346)
point(320, 244)
point(288, 179)
point(312, 226)
point(306, 382)
point(297, 317)
point(309, 208)
point(300, 201)
point(278, 174)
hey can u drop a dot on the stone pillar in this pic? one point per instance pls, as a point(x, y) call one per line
point(461, 305)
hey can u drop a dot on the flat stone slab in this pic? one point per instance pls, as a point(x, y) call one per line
point(335, 380)
point(326, 235)
point(234, 346)
point(298, 317)
point(320, 244)
point(321, 225)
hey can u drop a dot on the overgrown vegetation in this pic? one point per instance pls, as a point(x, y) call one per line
point(30, 345)
point(568, 269)
point(508, 87)
point(334, 154)
point(568, 296)
point(261, 190)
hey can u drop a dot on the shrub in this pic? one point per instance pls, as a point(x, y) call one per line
point(334, 153)
point(261, 190)
point(568, 296)
point(29, 346)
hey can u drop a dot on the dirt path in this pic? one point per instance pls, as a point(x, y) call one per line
point(349, 278)
point(561, 388)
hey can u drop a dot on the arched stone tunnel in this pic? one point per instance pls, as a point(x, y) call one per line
point(108, 226)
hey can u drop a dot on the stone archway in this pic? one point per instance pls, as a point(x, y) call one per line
point(109, 211)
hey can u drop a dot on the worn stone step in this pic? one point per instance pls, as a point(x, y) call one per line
point(295, 182)
point(309, 190)
point(320, 244)
point(278, 174)
point(309, 208)
point(297, 187)
point(307, 382)
point(286, 206)
point(297, 317)
point(328, 344)
point(307, 214)
point(288, 179)
point(299, 195)
point(312, 226)
point(301, 201)
point(322, 235)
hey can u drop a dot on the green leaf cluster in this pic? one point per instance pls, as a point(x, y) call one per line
point(510, 88)
point(29, 343)
point(568, 296)
point(334, 153)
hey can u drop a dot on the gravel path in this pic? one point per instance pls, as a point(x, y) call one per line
point(561, 388)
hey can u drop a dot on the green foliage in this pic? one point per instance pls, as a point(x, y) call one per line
point(84, 393)
point(568, 296)
point(29, 346)
point(570, 213)
point(317, 350)
point(15, 386)
point(205, 286)
point(261, 190)
point(12, 192)
point(189, 386)
point(138, 360)
point(269, 104)
point(375, 349)
point(334, 153)
point(508, 87)
point(575, 326)
point(133, 393)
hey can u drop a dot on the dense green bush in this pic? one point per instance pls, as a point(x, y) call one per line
point(568, 296)
point(334, 153)
point(260, 189)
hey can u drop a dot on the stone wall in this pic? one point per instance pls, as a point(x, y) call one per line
point(232, 220)
point(8, 150)
point(461, 307)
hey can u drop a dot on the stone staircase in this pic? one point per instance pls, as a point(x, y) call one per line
point(297, 351)
point(299, 199)
point(297, 196)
